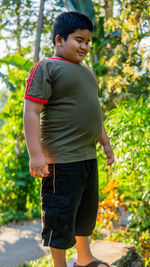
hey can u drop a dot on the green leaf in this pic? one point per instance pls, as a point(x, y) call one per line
point(100, 70)
point(60, 3)
point(18, 61)
point(20, 183)
point(8, 83)
point(84, 6)
point(101, 27)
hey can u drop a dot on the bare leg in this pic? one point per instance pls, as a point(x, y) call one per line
point(58, 256)
point(84, 253)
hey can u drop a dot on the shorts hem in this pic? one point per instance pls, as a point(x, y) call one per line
point(77, 234)
point(45, 243)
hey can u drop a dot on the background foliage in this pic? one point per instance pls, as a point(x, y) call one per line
point(128, 126)
point(18, 189)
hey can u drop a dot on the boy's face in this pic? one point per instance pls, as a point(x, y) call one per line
point(75, 48)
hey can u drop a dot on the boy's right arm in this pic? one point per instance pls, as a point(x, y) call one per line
point(38, 162)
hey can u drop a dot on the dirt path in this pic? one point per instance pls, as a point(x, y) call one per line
point(20, 243)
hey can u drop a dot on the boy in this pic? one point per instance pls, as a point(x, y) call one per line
point(63, 122)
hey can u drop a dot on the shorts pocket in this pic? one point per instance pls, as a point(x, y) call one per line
point(56, 209)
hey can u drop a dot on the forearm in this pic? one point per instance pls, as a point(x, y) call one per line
point(104, 138)
point(104, 141)
point(38, 163)
point(32, 132)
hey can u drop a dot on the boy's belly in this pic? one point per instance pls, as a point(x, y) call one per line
point(71, 128)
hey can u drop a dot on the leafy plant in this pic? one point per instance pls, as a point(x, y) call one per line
point(128, 127)
point(17, 61)
point(18, 189)
point(19, 192)
point(84, 6)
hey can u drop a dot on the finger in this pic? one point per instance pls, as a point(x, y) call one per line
point(43, 174)
point(37, 172)
point(109, 162)
point(33, 173)
point(45, 171)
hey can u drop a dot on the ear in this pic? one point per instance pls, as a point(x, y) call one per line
point(59, 40)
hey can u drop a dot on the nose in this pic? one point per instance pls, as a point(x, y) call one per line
point(84, 46)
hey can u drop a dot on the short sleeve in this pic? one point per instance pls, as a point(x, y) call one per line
point(38, 87)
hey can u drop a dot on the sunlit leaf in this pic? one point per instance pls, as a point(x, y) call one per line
point(18, 61)
point(60, 3)
point(84, 6)
point(8, 83)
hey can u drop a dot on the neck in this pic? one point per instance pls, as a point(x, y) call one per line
point(56, 54)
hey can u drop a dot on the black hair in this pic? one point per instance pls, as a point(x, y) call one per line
point(68, 22)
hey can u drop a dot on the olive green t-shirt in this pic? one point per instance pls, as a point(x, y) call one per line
point(71, 118)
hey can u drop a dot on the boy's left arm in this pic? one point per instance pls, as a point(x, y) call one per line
point(104, 141)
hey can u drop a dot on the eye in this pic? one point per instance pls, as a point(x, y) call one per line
point(79, 41)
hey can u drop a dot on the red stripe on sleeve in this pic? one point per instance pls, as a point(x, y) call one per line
point(31, 76)
point(44, 101)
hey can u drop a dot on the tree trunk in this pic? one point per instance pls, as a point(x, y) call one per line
point(39, 31)
point(18, 31)
point(67, 5)
point(108, 7)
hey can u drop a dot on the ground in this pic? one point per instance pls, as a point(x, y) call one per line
point(20, 243)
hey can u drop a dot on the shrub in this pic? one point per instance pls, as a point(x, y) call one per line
point(128, 127)
point(19, 192)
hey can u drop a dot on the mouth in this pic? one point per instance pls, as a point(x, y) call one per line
point(82, 54)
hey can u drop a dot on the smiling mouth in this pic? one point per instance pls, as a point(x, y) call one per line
point(82, 54)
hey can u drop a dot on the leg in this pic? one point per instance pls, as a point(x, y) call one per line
point(84, 253)
point(58, 212)
point(58, 256)
point(83, 250)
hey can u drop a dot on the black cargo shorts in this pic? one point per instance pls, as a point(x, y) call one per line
point(69, 202)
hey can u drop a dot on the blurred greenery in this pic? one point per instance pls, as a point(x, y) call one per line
point(17, 189)
point(17, 61)
point(83, 6)
point(128, 126)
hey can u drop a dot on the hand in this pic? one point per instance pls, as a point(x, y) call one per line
point(109, 153)
point(38, 165)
